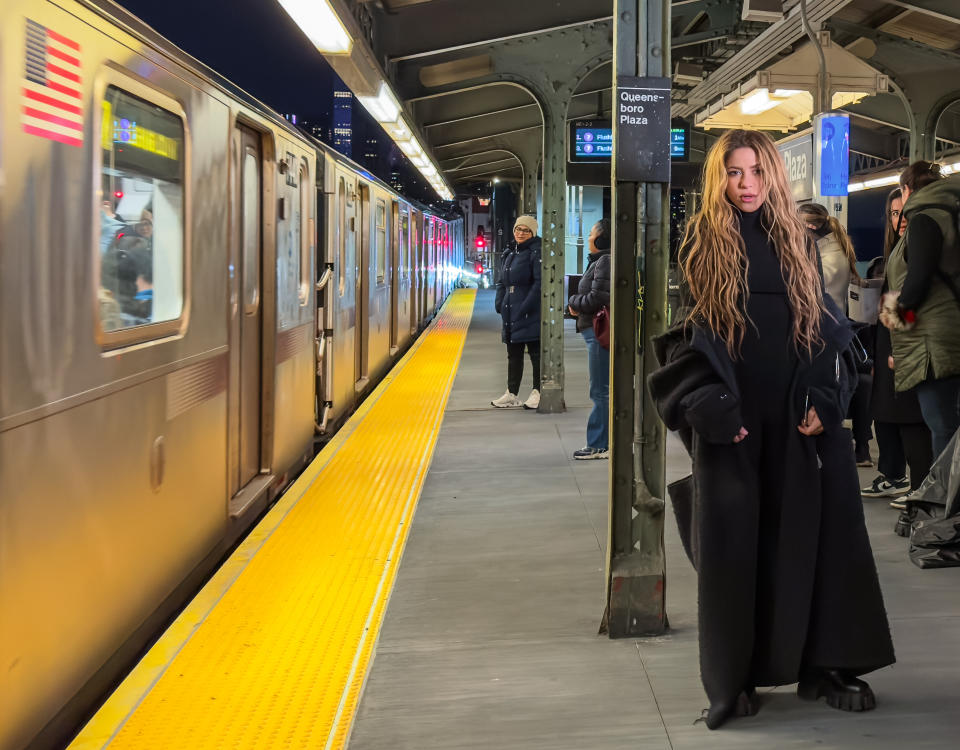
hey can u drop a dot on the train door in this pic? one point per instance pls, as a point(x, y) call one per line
point(395, 272)
point(414, 258)
point(362, 306)
point(246, 309)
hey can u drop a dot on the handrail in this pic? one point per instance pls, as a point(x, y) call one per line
point(324, 279)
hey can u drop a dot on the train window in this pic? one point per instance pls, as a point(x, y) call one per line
point(403, 261)
point(341, 233)
point(251, 232)
point(141, 216)
point(381, 241)
point(306, 234)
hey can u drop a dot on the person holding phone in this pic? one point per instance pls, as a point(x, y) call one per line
point(756, 378)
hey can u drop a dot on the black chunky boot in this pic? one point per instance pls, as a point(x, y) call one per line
point(841, 690)
point(747, 703)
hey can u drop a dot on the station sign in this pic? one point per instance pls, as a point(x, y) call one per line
point(797, 154)
point(642, 129)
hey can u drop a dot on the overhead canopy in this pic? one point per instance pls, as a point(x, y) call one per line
point(457, 68)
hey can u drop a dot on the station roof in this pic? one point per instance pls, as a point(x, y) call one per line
point(457, 66)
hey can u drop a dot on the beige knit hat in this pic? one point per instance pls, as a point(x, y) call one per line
point(527, 221)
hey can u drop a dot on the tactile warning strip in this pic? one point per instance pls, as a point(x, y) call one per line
point(274, 652)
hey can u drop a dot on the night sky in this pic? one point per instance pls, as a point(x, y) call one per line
point(255, 45)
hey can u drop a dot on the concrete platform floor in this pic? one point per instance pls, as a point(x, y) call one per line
point(490, 638)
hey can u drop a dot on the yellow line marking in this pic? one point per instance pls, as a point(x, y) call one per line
point(215, 678)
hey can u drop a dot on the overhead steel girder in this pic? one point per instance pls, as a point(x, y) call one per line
point(483, 43)
point(944, 10)
point(413, 29)
point(462, 159)
point(512, 160)
point(763, 48)
point(923, 76)
point(427, 126)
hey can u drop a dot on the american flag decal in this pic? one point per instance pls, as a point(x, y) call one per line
point(52, 99)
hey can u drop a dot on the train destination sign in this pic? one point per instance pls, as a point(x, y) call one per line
point(642, 127)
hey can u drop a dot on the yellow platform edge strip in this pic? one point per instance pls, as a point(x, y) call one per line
point(123, 703)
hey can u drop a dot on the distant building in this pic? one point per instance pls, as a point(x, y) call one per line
point(371, 152)
point(343, 121)
point(396, 182)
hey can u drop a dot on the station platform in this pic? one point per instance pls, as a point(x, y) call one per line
point(489, 638)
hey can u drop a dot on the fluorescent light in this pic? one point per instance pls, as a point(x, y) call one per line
point(892, 179)
point(420, 161)
point(950, 168)
point(411, 148)
point(384, 106)
point(399, 131)
point(876, 182)
point(321, 24)
point(757, 102)
point(785, 93)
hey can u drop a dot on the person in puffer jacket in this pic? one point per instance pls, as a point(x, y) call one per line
point(922, 309)
point(593, 293)
point(518, 302)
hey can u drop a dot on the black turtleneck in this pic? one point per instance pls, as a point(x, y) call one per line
point(764, 275)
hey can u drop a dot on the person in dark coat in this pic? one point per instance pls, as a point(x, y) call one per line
point(518, 302)
point(903, 439)
point(593, 293)
point(757, 378)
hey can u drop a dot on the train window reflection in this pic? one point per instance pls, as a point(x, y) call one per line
point(251, 232)
point(141, 213)
point(404, 259)
point(381, 241)
point(341, 235)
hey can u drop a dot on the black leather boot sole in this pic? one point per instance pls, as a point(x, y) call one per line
point(747, 703)
point(841, 691)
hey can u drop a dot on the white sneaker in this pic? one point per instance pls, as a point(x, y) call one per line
point(534, 401)
point(506, 401)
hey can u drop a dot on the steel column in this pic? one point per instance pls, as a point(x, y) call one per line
point(636, 576)
point(552, 231)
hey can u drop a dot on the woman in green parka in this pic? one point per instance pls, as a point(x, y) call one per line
point(922, 310)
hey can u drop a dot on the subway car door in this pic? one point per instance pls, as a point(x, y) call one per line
point(246, 311)
point(362, 307)
point(393, 270)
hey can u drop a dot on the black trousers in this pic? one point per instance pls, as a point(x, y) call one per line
point(515, 364)
point(903, 445)
point(860, 412)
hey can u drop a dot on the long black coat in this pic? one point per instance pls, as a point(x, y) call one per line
point(828, 609)
point(518, 293)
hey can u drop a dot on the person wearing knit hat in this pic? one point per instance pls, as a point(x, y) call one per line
point(518, 302)
point(529, 222)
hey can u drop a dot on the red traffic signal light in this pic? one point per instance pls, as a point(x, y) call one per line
point(480, 242)
point(479, 267)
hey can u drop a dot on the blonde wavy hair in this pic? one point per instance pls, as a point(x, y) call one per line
point(714, 257)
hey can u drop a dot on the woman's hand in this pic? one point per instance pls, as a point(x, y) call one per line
point(572, 311)
point(890, 363)
point(741, 435)
point(811, 424)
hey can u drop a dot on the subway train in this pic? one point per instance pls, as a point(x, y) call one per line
point(192, 291)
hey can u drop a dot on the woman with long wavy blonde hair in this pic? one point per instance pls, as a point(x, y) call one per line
point(757, 380)
point(715, 263)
